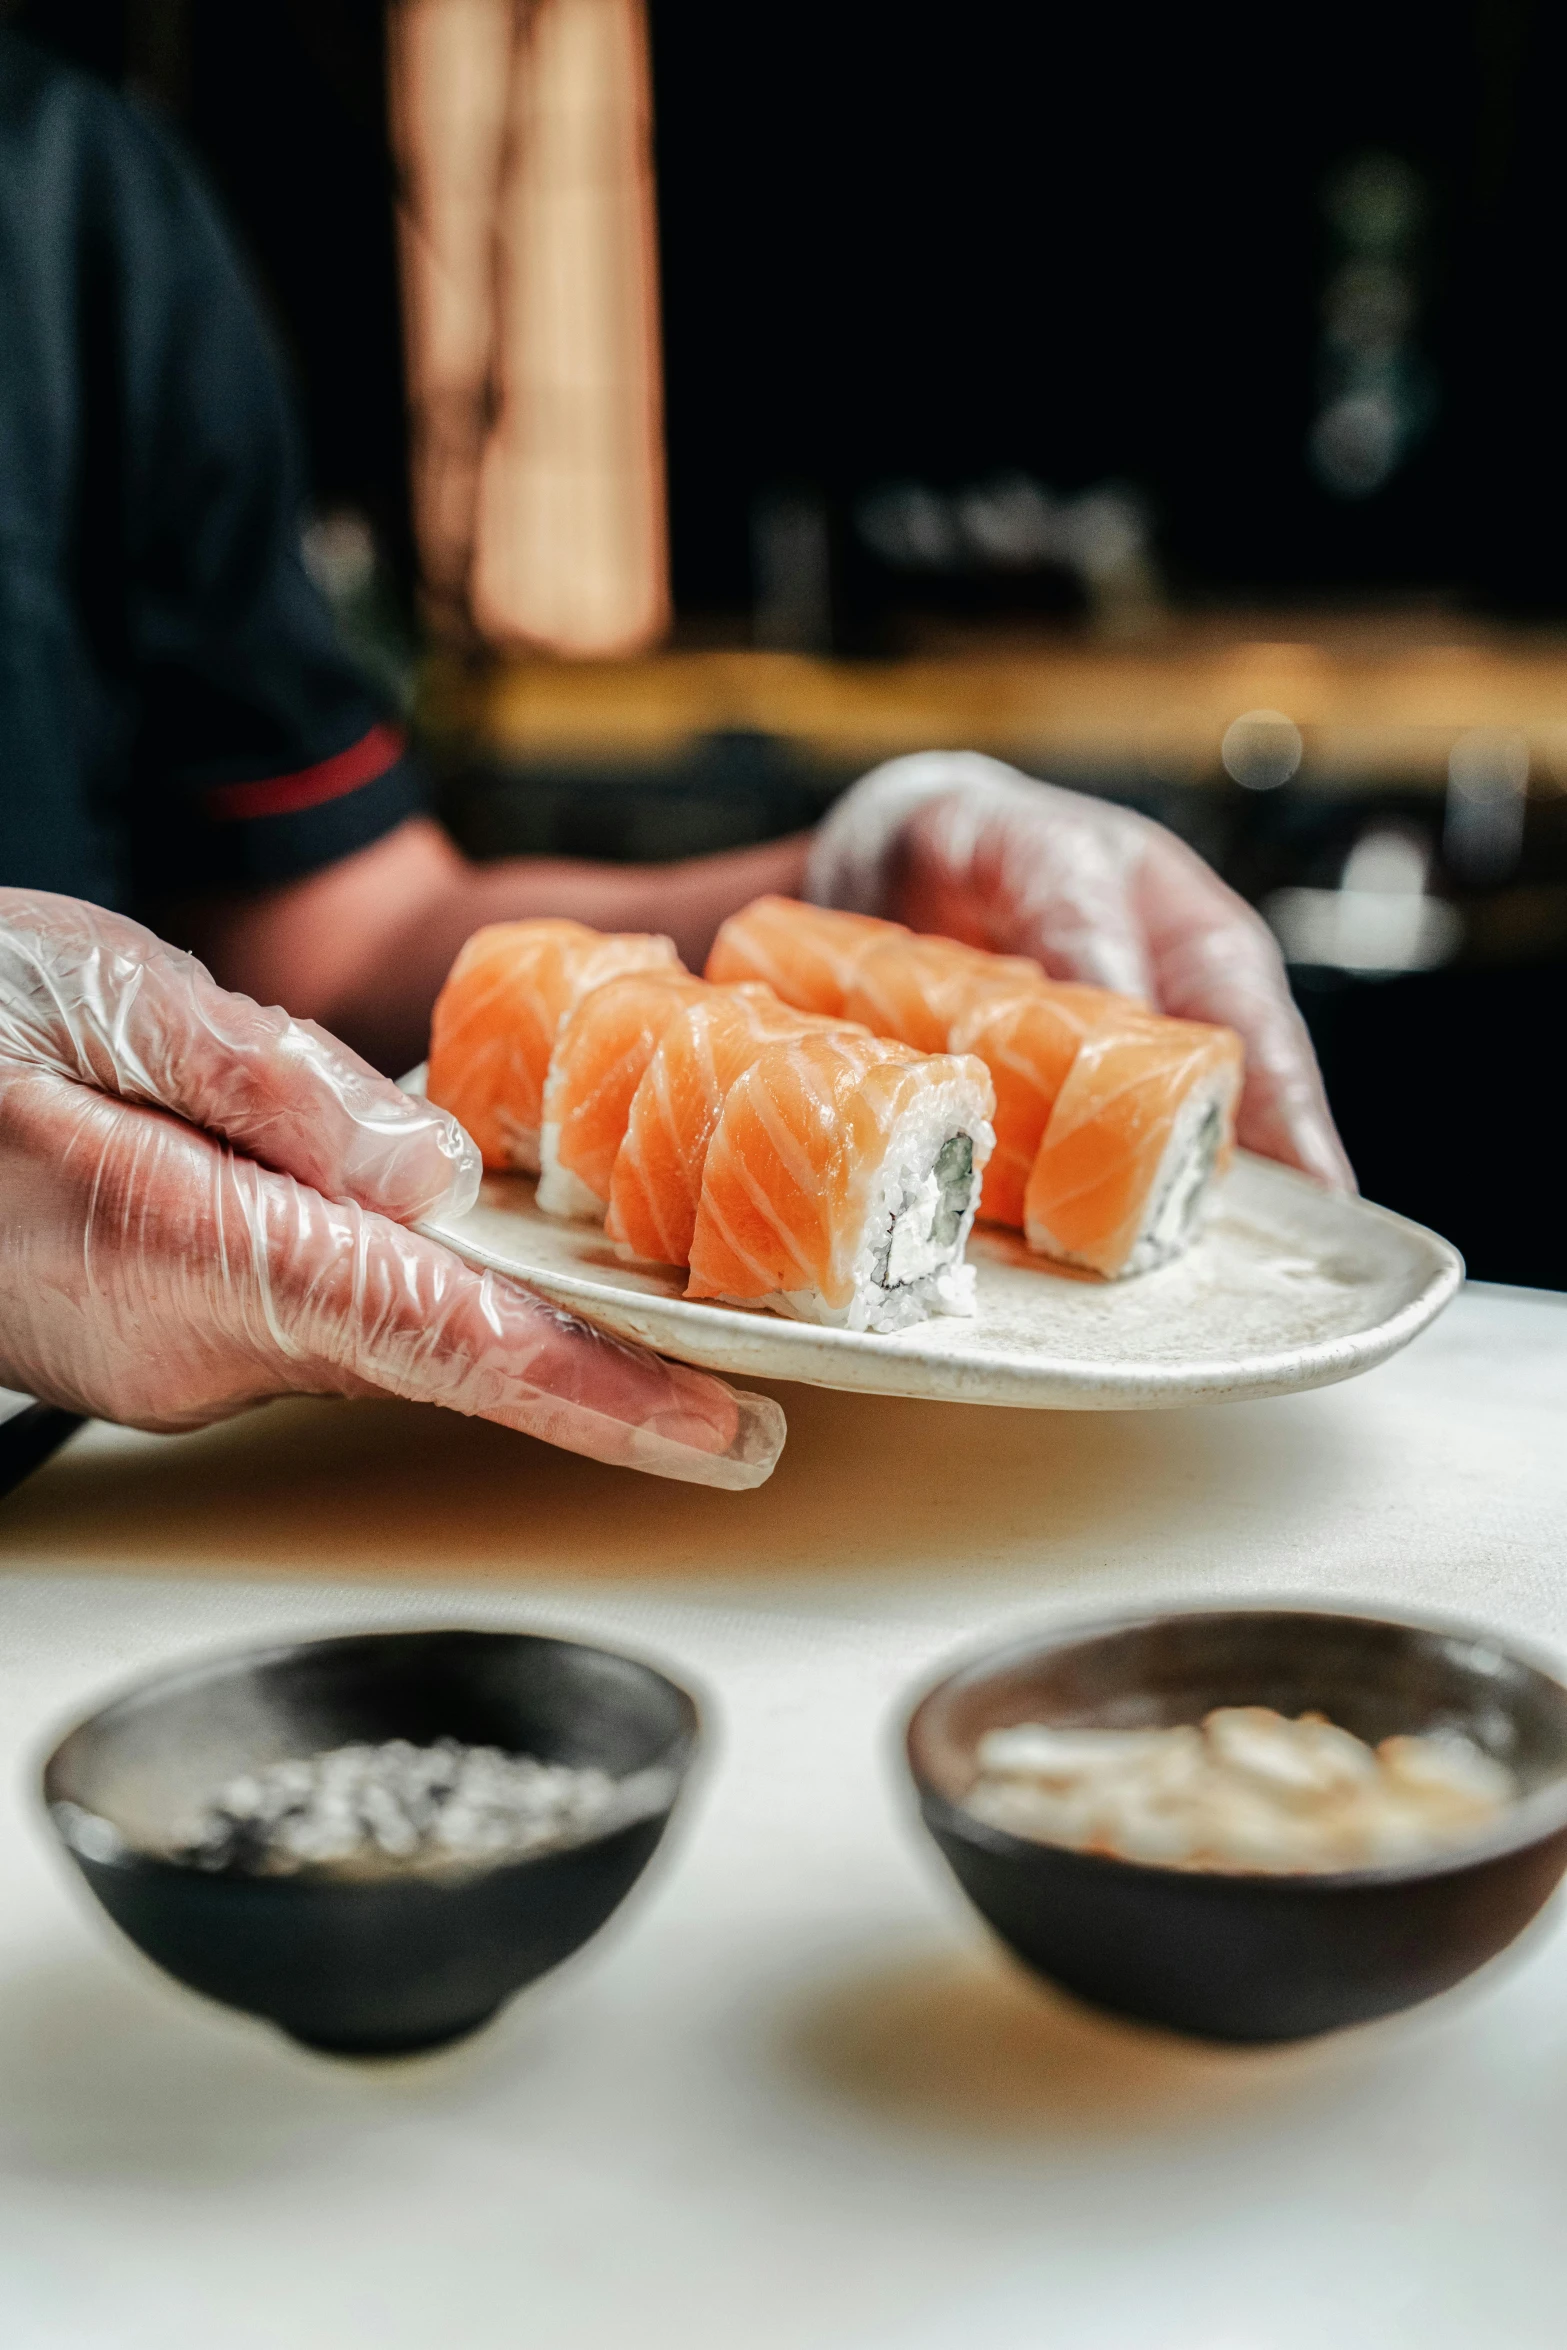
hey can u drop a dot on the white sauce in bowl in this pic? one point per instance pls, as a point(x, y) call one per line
point(1248, 1789)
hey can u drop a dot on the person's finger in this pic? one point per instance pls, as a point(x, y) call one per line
point(851, 857)
point(354, 1300)
point(164, 1282)
point(98, 998)
point(1056, 876)
point(1215, 959)
point(1037, 870)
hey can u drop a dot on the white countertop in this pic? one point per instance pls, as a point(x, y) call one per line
point(792, 2097)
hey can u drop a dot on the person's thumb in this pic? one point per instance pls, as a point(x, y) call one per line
point(97, 998)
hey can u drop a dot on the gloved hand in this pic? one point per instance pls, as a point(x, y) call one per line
point(955, 842)
point(205, 1204)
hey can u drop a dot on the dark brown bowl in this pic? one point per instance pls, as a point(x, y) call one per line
point(388, 1965)
point(1242, 1956)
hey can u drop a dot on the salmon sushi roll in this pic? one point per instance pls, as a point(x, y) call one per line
point(917, 989)
point(941, 996)
point(808, 955)
point(497, 1017)
point(657, 1179)
point(842, 1181)
point(1028, 1039)
point(1141, 1125)
point(603, 1048)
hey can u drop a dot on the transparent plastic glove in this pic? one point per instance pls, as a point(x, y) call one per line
point(205, 1202)
point(955, 842)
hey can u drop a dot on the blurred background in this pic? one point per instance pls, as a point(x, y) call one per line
point(704, 403)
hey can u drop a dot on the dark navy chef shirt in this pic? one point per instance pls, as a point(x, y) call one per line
point(175, 714)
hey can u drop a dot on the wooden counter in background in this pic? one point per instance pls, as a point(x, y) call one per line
point(1378, 702)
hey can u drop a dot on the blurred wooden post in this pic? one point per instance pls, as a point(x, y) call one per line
point(449, 73)
point(530, 266)
point(570, 548)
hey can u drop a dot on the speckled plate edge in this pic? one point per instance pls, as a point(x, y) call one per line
point(931, 1360)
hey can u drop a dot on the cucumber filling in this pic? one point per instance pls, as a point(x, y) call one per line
point(1172, 1220)
point(924, 1227)
point(955, 1174)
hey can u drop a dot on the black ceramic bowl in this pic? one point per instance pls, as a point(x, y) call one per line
point(1252, 1956)
point(388, 1965)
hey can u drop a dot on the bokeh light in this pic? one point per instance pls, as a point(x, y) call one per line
point(1262, 749)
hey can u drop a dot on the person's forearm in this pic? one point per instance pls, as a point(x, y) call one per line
point(362, 947)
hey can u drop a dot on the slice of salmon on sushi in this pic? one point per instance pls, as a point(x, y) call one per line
point(1029, 1039)
point(497, 1017)
point(806, 954)
point(1143, 1122)
point(605, 1044)
point(657, 1179)
point(842, 1181)
point(917, 989)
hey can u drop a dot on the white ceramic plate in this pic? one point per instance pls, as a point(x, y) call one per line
point(1289, 1287)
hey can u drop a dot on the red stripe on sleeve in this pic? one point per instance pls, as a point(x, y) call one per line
point(308, 787)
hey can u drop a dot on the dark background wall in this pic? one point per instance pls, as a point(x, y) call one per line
point(1086, 243)
point(1092, 242)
